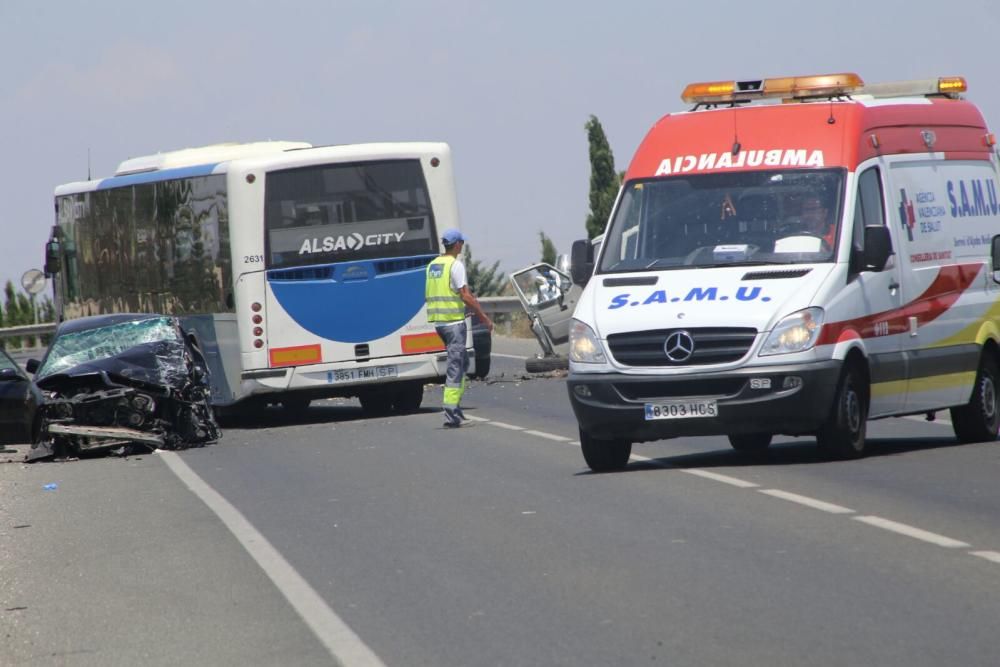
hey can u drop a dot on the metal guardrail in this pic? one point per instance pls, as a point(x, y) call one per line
point(491, 304)
point(28, 330)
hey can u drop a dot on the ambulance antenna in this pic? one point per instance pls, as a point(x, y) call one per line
point(736, 138)
point(831, 120)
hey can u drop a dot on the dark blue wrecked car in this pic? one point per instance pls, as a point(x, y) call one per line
point(122, 382)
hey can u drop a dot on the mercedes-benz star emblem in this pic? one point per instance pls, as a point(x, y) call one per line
point(679, 346)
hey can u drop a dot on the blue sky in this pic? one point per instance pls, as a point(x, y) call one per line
point(509, 85)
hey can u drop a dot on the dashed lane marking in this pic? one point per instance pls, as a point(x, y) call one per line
point(806, 501)
point(910, 531)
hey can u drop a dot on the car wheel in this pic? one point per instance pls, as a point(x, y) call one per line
point(979, 419)
point(546, 364)
point(605, 455)
point(843, 436)
point(750, 442)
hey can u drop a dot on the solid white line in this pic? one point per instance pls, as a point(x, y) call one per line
point(473, 418)
point(725, 479)
point(549, 436)
point(937, 420)
point(807, 501)
point(988, 555)
point(507, 356)
point(346, 647)
point(910, 531)
point(510, 427)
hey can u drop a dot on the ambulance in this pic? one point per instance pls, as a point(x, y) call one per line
point(794, 256)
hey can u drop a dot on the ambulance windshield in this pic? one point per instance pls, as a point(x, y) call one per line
point(760, 217)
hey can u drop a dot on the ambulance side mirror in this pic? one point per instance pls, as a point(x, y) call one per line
point(995, 258)
point(581, 262)
point(878, 248)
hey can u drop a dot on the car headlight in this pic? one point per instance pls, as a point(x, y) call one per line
point(796, 333)
point(584, 346)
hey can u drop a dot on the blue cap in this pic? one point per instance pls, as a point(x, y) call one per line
point(452, 236)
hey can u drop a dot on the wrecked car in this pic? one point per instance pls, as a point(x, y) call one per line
point(19, 401)
point(121, 382)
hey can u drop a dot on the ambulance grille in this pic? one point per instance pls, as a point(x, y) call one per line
point(716, 387)
point(712, 345)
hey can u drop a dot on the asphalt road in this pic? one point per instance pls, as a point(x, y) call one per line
point(394, 541)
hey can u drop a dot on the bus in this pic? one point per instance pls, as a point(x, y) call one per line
point(299, 268)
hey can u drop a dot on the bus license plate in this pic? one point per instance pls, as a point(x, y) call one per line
point(681, 409)
point(362, 374)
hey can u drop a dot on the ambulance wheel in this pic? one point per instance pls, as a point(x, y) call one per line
point(979, 420)
point(605, 455)
point(750, 442)
point(843, 436)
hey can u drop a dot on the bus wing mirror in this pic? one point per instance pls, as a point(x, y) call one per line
point(581, 261)
point(878, 248)
point(53, 257)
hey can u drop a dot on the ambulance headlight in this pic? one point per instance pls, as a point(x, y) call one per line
point(584, 346)
point(796, 333)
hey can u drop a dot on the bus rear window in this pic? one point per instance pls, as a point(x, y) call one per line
point(346, 212)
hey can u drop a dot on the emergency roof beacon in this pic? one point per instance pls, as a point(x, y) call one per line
point(795, 256)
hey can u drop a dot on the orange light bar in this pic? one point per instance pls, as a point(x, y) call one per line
point(417, 343)
point(712, 91)
point(818, 85)
point(952, 84)
point(294, 356)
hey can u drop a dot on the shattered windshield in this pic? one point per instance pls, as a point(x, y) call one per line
point(760, 217)
point(73, 349)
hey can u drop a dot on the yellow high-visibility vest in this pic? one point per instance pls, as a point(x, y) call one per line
point(443, 303)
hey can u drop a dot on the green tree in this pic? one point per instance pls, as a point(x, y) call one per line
point(548, 250)
point(604, 180)
point(482, 282)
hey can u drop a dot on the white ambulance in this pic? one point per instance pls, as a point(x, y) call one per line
point(795, 256)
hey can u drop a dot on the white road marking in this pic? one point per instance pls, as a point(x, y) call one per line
point(988, 555)
point(937, 420)
point(725, 479)
point(807, 501)
point(344, 645)
point(507, 356)
point(507, 426)
point(878, 522)
point(910, 531)
point(473, 418)
point(548, 436)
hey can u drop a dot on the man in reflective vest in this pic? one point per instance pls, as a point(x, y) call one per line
point(447, 296)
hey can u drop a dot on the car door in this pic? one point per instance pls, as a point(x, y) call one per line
point(550, 294)
point(17, 402)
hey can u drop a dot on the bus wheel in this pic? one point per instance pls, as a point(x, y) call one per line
point(409, 398)
point(604, 455)
point(750, 442)
point(843, 435)
point(979, 419)
point(376, 404)
point(295, 404)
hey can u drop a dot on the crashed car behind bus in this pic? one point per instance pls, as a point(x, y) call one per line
point(120, 382)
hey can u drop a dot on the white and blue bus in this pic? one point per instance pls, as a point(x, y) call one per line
point(300, 268)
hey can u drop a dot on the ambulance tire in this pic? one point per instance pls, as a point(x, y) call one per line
point(843, 436)
point(751, 443)
point(979, 420)
point(605, 455)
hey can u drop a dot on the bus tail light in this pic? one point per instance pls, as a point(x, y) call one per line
point(256, 307)
point(258, 331)
point(258, 343)
point(257, 319)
